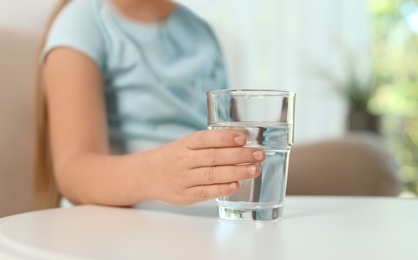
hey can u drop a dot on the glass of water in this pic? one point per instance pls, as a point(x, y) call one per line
point(266, 118)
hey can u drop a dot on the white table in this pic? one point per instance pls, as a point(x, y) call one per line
point(312, 228)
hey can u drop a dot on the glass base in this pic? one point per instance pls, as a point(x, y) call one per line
point(262, 214)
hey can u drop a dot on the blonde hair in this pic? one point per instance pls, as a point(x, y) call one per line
point(46, 190)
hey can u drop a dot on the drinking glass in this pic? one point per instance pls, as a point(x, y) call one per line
point(266, 118)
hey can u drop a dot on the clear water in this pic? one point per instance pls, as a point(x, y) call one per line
point(264, 194)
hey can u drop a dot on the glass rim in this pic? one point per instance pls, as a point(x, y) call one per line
point(255, 92)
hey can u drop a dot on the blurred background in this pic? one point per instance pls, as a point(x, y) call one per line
point(352, 63)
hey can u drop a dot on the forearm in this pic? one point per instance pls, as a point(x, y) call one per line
point(200, 166)
point(104, 179)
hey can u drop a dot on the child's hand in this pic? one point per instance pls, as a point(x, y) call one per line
point(204, 165)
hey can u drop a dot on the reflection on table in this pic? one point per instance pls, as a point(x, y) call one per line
point(312, 228)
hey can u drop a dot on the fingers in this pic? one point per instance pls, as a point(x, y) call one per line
point(223, 174)
point(200, 193)
point(214, 139)
point(226, 156)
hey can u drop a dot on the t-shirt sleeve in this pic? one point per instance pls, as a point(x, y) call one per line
point(78, 27)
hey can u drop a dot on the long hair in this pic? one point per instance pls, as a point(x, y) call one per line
point(46, 190)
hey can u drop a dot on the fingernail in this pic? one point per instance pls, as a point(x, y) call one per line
point(251, 169)
point(258, 155)
point(239, 140)
point(232, 185)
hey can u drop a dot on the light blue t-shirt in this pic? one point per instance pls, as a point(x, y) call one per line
point(156, 76)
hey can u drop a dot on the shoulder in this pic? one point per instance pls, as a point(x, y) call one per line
point(193, 22)
point(81, 9)
point(78, 26)
point(188, 15)
point(79, 15)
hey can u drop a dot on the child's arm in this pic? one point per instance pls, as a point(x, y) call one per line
point(200, 166)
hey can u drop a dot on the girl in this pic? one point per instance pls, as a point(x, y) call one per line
point(121, 102)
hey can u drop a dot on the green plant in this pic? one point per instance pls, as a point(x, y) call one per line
point(355, 86)
point(395, 49)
